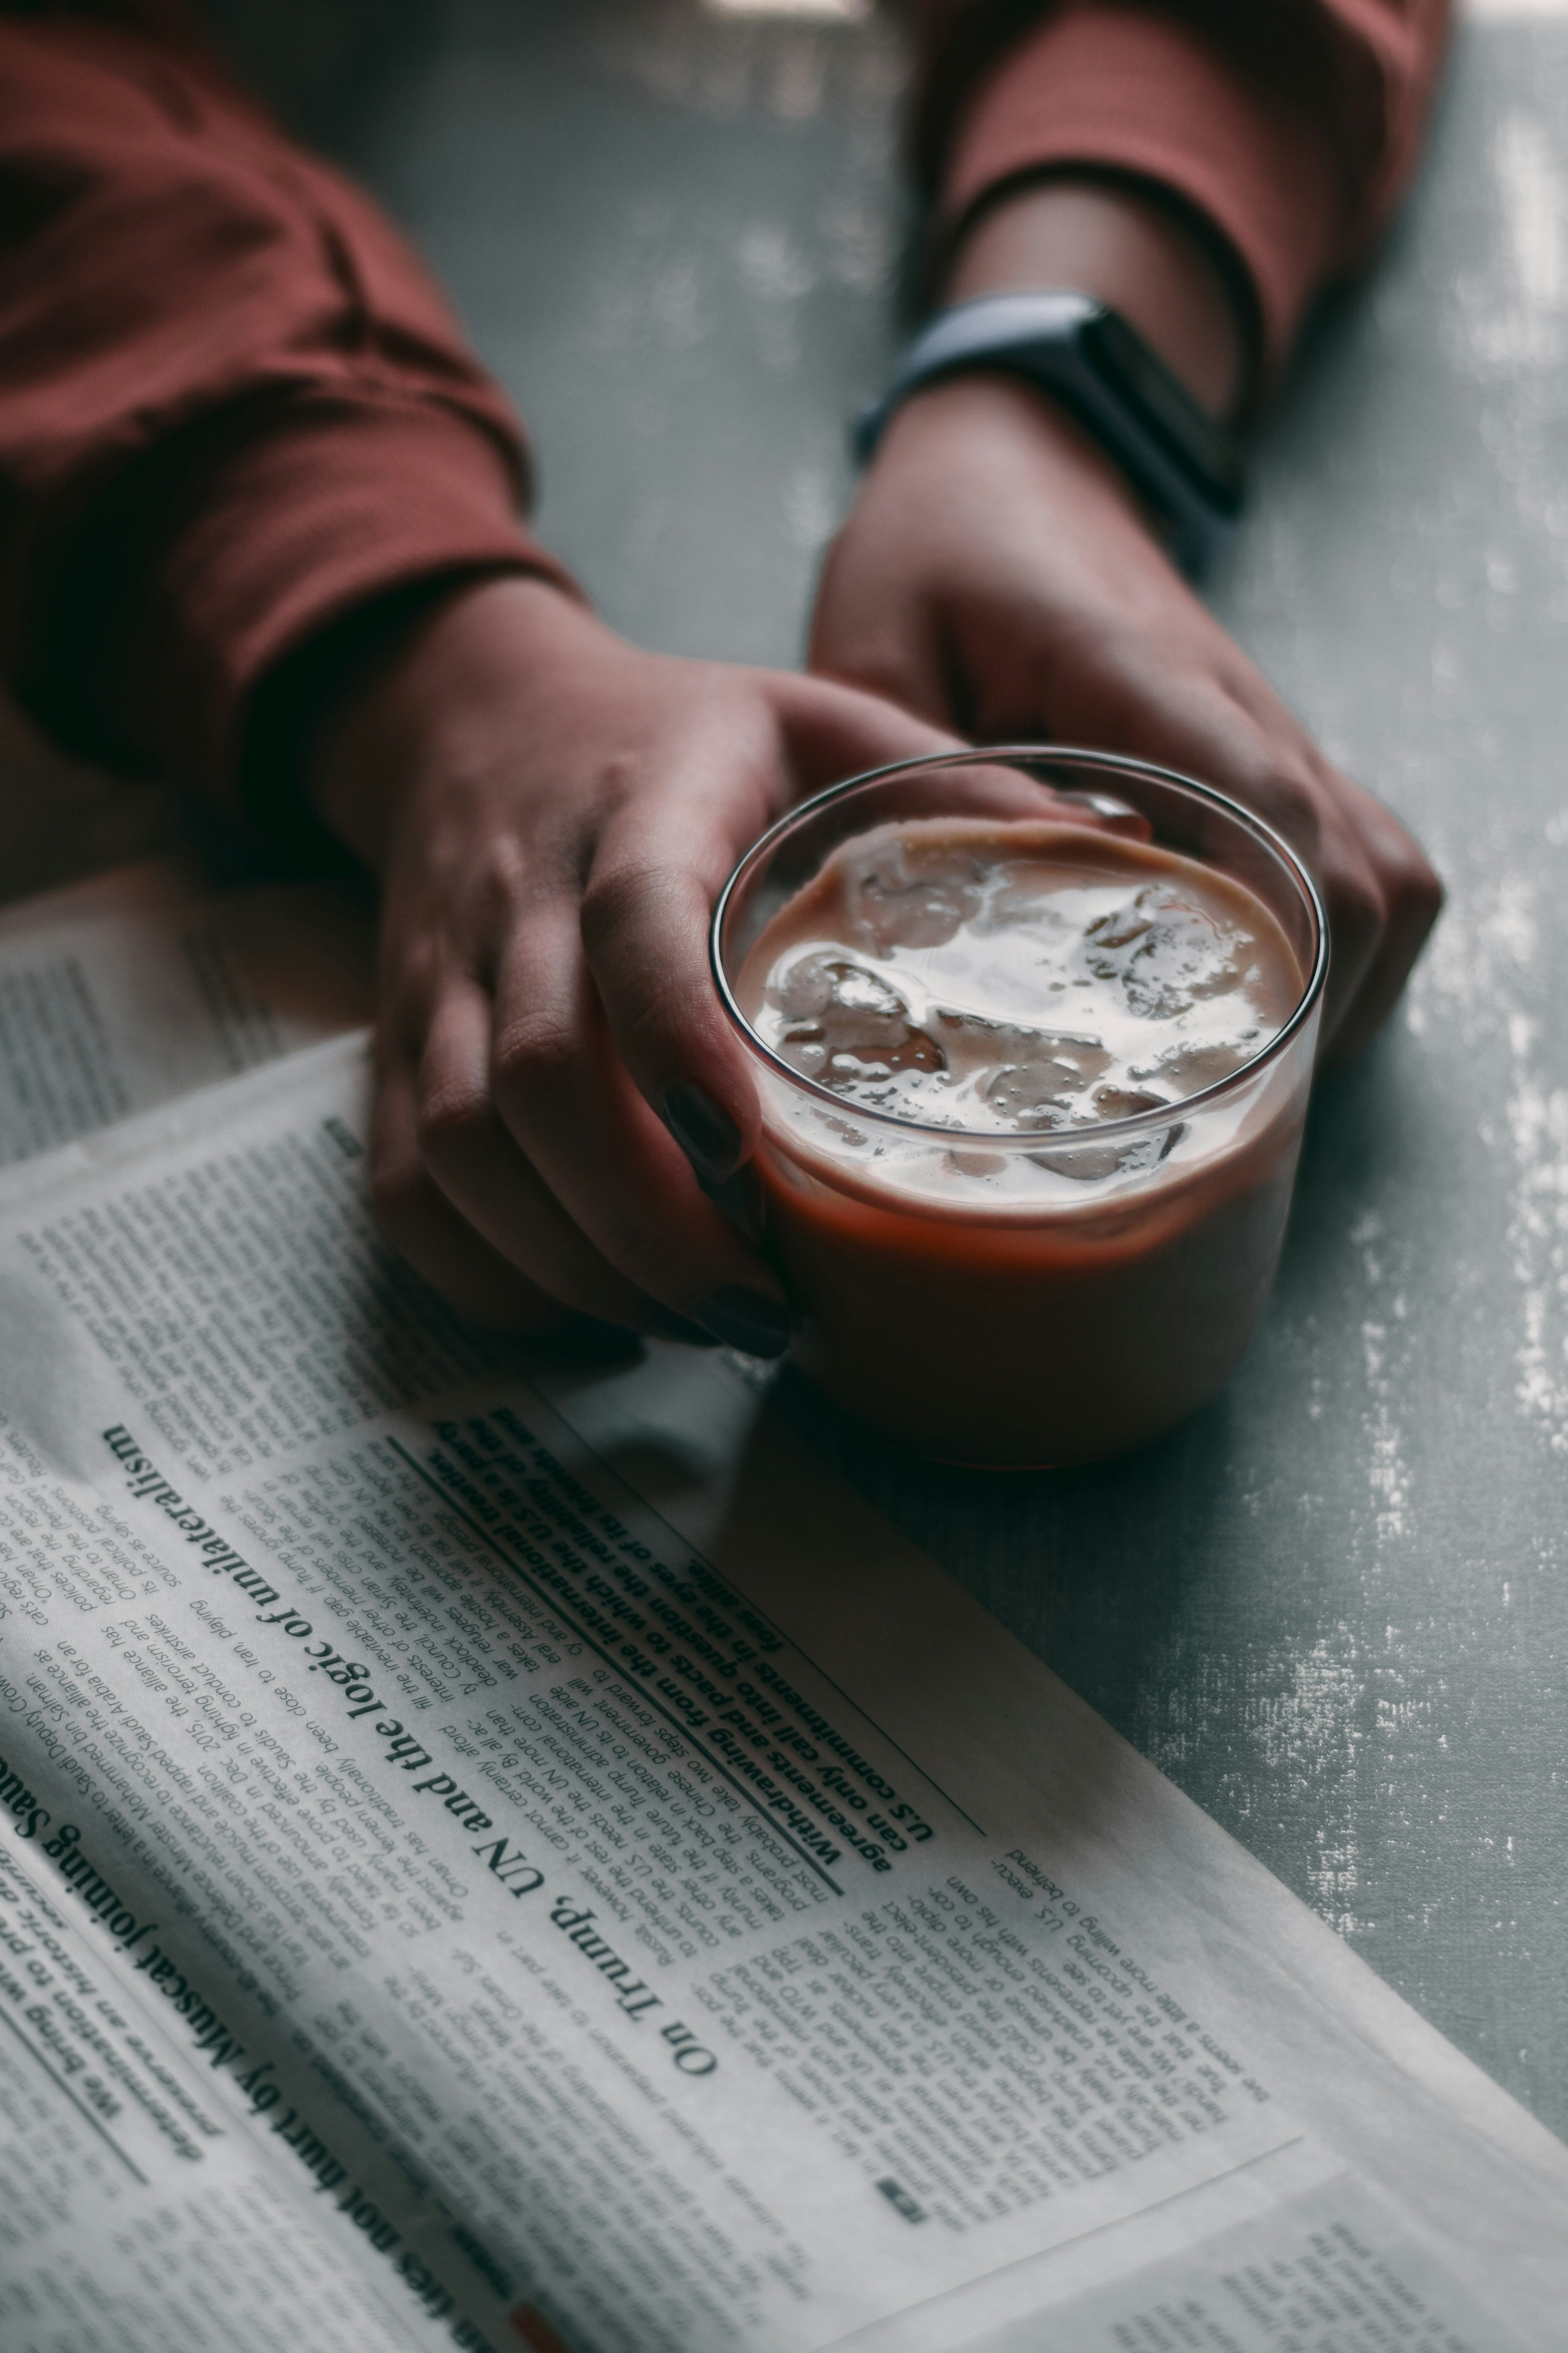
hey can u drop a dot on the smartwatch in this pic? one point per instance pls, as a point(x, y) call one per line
point(1184, 465)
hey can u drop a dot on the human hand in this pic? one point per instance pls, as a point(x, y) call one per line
point(552, 814)
point(996, 576)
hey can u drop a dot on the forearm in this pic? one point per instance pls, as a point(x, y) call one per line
point(186, 510)
point(1286, 134)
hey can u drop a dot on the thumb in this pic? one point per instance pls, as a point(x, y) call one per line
point(836, 731)
point(656, 873)
point(832, 732)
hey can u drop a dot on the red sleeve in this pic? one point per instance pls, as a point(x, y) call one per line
point(233, 409)
point(1290, 127)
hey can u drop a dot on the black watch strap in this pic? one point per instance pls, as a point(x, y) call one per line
point(1184, 465)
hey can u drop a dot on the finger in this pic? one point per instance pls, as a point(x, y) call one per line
point(1380, 895)
point(832, 730)
point(904, 670)
point(645, 932)
point(659, 868)
point(1354, 900)
point(1412, 901)
point(1240, 739)
point(613, 1168)
point(892, 648)
point(424, 1227)
point(464, 1146)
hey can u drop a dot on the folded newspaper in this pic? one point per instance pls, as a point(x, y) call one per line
point(504, 1854)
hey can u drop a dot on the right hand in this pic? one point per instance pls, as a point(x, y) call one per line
point(553, 813)
point(997, 575)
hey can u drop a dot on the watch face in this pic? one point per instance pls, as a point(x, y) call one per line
point(1201, 448)
point(1187, 468)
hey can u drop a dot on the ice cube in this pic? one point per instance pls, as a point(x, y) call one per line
point(1189, 1065)
point(1091, 1163)
point(902, 895)
point(1125, 1102)
point(848, 1030)
point(1162, 952)
point(818, 983)
point(1039, 1076)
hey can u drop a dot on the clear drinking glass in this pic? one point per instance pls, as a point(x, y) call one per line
point(1015, 1297)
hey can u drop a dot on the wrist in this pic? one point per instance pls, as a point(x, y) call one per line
point(979, 425)
point(423, 707)
point(1132, 250)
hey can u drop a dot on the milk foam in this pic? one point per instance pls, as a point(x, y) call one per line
point(1018, 978)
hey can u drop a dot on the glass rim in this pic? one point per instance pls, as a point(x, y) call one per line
point(1111, 764)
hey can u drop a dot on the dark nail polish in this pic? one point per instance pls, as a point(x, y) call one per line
point(666, 1325)
point(747, 1320)
point(736, 1199)
point(708, 1136)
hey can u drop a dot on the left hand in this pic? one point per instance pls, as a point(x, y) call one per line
point(553, 813)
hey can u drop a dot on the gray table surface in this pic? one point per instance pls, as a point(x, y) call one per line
point(1333, 1608)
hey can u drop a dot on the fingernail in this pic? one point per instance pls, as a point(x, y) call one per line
point(708, 1136)
point(666, 1325)
point(747, 1320)
point(736, 1199)
point(1114, 815)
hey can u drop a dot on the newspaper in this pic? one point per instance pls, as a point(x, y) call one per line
point(119, 993)
point(503, 1853)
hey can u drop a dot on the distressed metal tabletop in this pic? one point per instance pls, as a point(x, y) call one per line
point(1334, 1608)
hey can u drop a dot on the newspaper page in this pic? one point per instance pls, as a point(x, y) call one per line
point(122, 992)
point(513, 1854)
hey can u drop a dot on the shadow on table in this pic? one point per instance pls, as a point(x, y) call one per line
point(1089, 1567)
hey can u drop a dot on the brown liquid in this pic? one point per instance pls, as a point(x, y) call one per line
point(1054, 1298)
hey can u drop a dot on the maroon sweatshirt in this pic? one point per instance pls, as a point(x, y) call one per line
point(236, 414)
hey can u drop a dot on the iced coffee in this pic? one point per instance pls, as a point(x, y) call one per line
point(1033, 1095)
